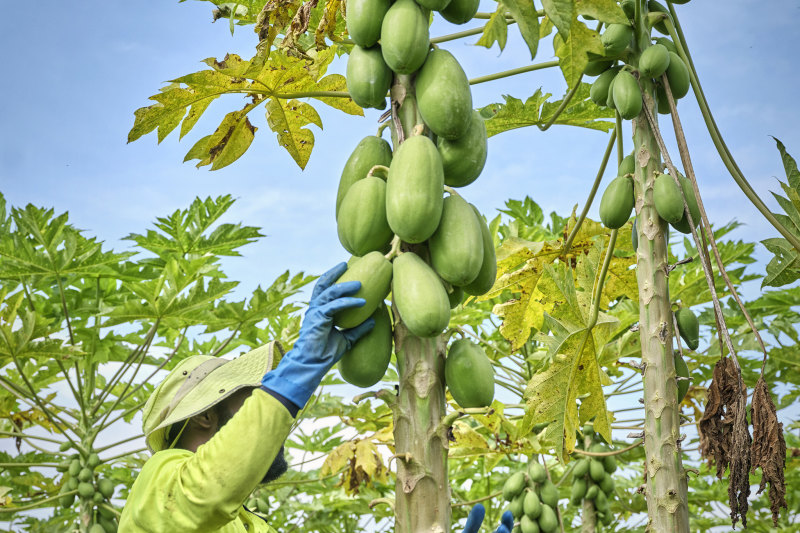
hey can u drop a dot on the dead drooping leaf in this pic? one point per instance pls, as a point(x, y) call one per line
point(769, 448)
point(725, 435)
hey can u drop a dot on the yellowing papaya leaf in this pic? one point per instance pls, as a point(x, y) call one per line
point(271, 81)
point(524, 13)
point(573, 52)
point(553, 395)
point(275, 16)
point(496, 29)
point(337, 459)
point(288, 119)
point(328, 24)
point(466, 441)
point(608, 11)
point(538, 111)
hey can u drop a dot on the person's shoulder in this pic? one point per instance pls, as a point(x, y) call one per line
point(166, 458)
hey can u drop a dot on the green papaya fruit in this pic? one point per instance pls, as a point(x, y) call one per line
point(591, 492)
point(681, 371)
point(616, 39)
point(629, 7)
point(93, 461)
point(610, 464)
point(617, 203)
point(516, 505)
point(513, 486)
point(666, 42)
point(688, 327)
point(64, 446)
point(106, 487)
point(608, 518)
point(85, 490)
point(262, 506)
point(548, 493)
point(66, 501)
point(678, 76)
point(456, 295)
point(469, 375)
point(361, 223)
point(595, 68)
point(72, 483)
point(536, 471)
point(610, 101)
point(85, 474)
point(668, 198)
point(434, 5)
point(599, 91)
point(460, 11)
point(657, 7)
point(548, 521)
point(598, 448)
point(109, 526)
point(596, 470)
point(654, 61)
point(74, 468)
point(488, 272)
point(364, 18)
point(578, 490)
point(98, 498)
point(628, 166)
point(368, 77)
point(404, 37)
point(607, 484)
point(581, 468)
point(97, 528)
point(374, 272)
point(532, 506)
point(627, 95)
point(601, 501)
point(526, 525)
point(588, 429)
point(414, 189)
point(365, 363)
point(444, 98)
point(691, 200)
point(419, 295)
point(63, 466)
point(369, 152)
point(634, 236)
point(463, 159)
point(456, 247)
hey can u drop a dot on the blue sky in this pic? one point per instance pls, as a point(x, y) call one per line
point(76, 75)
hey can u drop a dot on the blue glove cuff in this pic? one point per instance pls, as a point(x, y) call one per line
point(297, 393)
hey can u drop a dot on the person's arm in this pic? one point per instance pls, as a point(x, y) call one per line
point(203, 491)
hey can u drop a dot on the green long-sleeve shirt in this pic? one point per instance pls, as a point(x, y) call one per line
point(178, 491)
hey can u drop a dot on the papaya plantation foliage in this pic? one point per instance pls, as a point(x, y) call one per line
point(582, 374)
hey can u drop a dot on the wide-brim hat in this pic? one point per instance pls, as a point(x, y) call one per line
point(198, 383)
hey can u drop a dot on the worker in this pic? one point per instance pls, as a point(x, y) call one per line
point(216, 427)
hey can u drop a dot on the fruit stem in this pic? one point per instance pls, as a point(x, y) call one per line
point(513, 72)
point(716, 136)
point(611, 453)
point(451, 191)
point(379, 171)
point(36, 504)
point(395, 249)
point(564, 103)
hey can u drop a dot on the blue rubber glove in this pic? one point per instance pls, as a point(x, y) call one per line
point(475, 519)
point(320, 345)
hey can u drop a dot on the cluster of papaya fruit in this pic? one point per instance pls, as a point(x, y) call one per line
point(405, 234)
point(689, 330)
point(533, 499)
point(80, 476)
point(617, 202)
point(592, 478)
point(617, 86)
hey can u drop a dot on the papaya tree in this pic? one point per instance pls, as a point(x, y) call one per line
point(589, 311)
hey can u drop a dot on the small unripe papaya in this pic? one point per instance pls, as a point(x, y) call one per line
point(596, 470)
point(668, 198)
point(627, 95)
point(460, 11)
point(688, 327)
point(548, 493)
point(374, 272)
point(368, 77)
point(654, 61)
point(599, 91)
point(419, 295)
point(405, 37)
point(364, 18)
point(581, 468)
point(526, 525)
point(681, 371)
point(537, 472)
point(678, 76)
point(617, 202)
point(513, 486)
point(365, 363)
point(469, 375)
point(595, 68)
point(532, 506)
point(616, 39)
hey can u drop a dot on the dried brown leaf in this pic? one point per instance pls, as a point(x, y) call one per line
point(769, 448)
point(725, 435)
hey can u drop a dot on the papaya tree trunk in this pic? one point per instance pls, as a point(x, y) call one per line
point(588, 513)
point(665, 477)
point(422, 490)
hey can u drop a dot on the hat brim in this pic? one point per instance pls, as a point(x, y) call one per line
point(245, 371)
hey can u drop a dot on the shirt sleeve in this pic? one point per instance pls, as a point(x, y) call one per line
point(203, 491)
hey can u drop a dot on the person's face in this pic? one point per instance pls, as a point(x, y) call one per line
point(232, 405)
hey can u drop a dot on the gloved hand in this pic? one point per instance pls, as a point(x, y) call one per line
point(475, 519)
point(320, 345)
